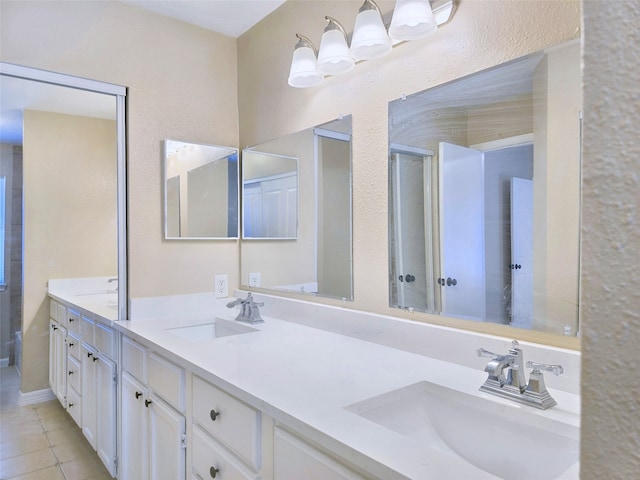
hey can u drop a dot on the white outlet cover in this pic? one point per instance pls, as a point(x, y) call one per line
point(221, 286)
point(254, 279)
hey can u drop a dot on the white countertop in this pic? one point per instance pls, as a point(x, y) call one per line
point(95, 295)
point(305, 377)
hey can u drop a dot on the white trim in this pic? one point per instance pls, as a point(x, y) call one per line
point(399, 148)
point(54, 78)
point(37, 396)
point(515, 141)
point(4, 362)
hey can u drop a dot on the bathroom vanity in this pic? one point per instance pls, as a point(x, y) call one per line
point(321, 392)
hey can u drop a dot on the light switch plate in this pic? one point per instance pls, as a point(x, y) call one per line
point(221, 286)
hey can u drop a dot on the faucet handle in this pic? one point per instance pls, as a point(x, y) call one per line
point(486, 353)
point(555, 369)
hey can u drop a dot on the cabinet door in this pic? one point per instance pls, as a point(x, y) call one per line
point(53, 326)
point(295, 459)
point(89, 358)
point(133, 464)
point(60, 349)
point(166, 440)
point(105, 371)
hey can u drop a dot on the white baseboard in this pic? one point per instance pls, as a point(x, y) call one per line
point(4, 362)
point(38, 396)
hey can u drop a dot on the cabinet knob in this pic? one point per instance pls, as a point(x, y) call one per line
point(138, 395)
point(213, 472)
point(70, 372)
point(71, 344)
point(213, 414)
point(70, 405)
point(71, 319)
point(54, 327)
point(147, 403)
point(89, 354)
point(95, 359)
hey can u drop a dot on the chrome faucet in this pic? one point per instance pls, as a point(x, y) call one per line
point(249, 311)
point(514, 385)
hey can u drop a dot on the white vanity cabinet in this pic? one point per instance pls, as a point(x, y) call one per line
point(153, 442)
point(227, 440)
point(83, 375)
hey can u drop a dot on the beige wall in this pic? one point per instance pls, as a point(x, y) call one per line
point(68, 217)
point(181, 83)
point(610, 290)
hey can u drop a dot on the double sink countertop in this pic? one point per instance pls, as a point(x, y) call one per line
point(309, 380)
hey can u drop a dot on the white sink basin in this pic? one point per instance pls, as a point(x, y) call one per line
point(216, 329)
point(510, 441)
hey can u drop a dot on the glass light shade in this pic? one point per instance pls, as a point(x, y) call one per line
point(333, 56)
point(412, 19)
point(370, 39)
point(304, 70)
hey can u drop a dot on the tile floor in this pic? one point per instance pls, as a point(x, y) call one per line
point(41, 441)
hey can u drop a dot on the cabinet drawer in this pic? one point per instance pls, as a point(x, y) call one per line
point(53, 309)
point(72, 321)
point(86, 330)
point(209, 459)
point(294, 458)
point(167, 381)
point(105, 340)
point(134, 359)
point(74, 373)
point(74, 406)
point(73, 345)
point(230, 421)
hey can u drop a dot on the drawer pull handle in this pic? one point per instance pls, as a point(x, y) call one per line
point(147, 403)
point(71, 344)
point(71, 319)
point(95, 359)
point(213, 414)
point(70, 372)
point(89, 354)
point(70, 405)
point(213, 472)
point(138, 395)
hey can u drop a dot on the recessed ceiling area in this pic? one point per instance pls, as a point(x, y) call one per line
point(229, 17)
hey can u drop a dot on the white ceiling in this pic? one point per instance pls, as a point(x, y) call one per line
point(229, 17)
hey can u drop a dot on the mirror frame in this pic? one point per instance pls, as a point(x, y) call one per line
point(119, 93)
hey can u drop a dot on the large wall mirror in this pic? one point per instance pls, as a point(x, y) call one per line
point(73, 178)
point(297, 212)
point(200, 191)
point(484, 195)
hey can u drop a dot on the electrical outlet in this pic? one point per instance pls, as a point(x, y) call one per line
point(254, 279)
point(221, 288)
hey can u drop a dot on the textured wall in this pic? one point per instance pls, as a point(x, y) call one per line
point(610, 291)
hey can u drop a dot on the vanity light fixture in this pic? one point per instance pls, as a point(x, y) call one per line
point(333, 56)
point(304, 68)
point(370, 39)
point(411, 20)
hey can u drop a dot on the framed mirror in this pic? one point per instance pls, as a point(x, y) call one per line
point(309, 206)
point(269, 196)
point(200, 191)
point(73, 178)
point(484, 195)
